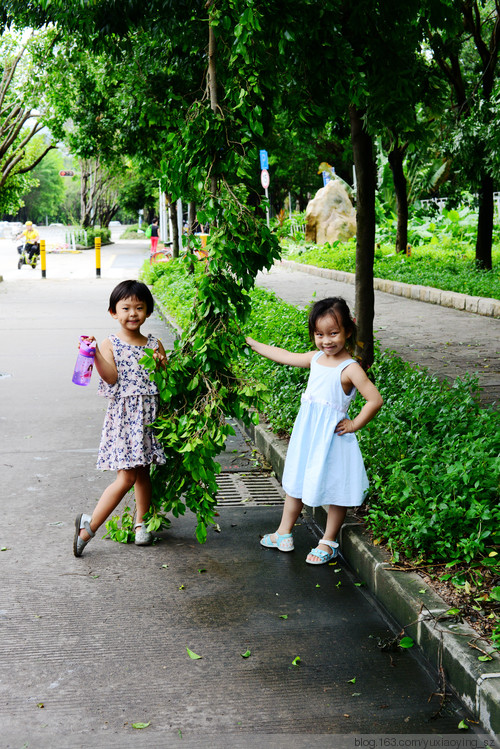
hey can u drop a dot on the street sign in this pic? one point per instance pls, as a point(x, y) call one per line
point(264, 179)
point(66, 173)
point(264, 161)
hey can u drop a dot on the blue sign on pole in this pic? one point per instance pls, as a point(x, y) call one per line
point(327, 176)
point(264, 162)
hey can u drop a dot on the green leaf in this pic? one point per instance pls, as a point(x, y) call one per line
point(495, 593)
point(141, 725)
point(352, 681)
point(283, 616)
point(463, 726)
point(245, 655)
point(193, 655)
point(296, 661)
point(406, 642)
point(485, 658)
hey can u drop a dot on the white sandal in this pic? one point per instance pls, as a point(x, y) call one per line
point(142, 536)
point(283, 542)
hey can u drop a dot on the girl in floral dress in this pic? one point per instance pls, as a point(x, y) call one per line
point(128, 444)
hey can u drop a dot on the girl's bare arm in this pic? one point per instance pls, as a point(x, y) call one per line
point(280, 355)
point(357, 377)
point(105, 361)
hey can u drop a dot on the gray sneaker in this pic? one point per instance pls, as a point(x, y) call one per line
point(82, 521)
point(142, 536)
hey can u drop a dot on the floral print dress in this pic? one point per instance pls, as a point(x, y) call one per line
point(127, 439)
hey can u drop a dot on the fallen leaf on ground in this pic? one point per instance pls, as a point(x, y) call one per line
point(193, 656)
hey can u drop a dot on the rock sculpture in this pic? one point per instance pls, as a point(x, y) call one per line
point(330, 215)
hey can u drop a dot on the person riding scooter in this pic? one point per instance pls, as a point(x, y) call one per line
point(31, 241)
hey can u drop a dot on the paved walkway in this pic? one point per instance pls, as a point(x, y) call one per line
point(89, 647)
point(449, 342)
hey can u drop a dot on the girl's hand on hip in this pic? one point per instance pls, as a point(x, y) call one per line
point(345, 426)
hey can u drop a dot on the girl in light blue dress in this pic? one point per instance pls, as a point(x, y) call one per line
point(324, 465)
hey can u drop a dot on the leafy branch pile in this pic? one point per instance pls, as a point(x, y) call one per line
point(199, 390)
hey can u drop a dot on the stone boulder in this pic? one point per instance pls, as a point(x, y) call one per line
point(330, 215)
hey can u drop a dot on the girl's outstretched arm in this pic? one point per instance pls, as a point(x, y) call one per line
point(356, 376)
point(280, 355)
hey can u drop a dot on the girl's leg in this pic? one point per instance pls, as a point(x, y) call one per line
point(335, 518)
point(142, 491)
point(291, 511)
point(111, 498)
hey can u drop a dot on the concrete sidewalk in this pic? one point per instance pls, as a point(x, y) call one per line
point(91, 646)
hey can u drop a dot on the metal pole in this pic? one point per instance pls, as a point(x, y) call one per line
point(267, 207)
point(97, 244)
point(43, 258)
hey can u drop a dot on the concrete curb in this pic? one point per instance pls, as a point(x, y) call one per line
point(479, 305)
point(412, 604)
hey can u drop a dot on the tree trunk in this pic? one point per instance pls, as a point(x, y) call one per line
point(191, 217)
point(396, 158)
point(212, 88)
point(172, 208)
point(362, 146)
point(485, 223)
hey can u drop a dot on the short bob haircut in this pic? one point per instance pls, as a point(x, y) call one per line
point(337, 308)
point(131, 290)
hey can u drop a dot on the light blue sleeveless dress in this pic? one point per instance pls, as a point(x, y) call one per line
point(321, 467)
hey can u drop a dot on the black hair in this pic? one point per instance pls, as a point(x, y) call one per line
point(131, 289)
point(338, 309)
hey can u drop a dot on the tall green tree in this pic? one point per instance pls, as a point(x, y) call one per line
point(22, 83)
point(45, 201)
point(466, 52)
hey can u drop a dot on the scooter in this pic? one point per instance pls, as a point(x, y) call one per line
point(24, 251)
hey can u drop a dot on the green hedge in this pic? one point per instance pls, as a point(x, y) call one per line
point(91, 233)
point(431, 453)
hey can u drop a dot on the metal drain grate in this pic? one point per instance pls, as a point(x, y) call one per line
point(237, 489)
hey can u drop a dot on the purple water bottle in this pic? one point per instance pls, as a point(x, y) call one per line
point(84, 362)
